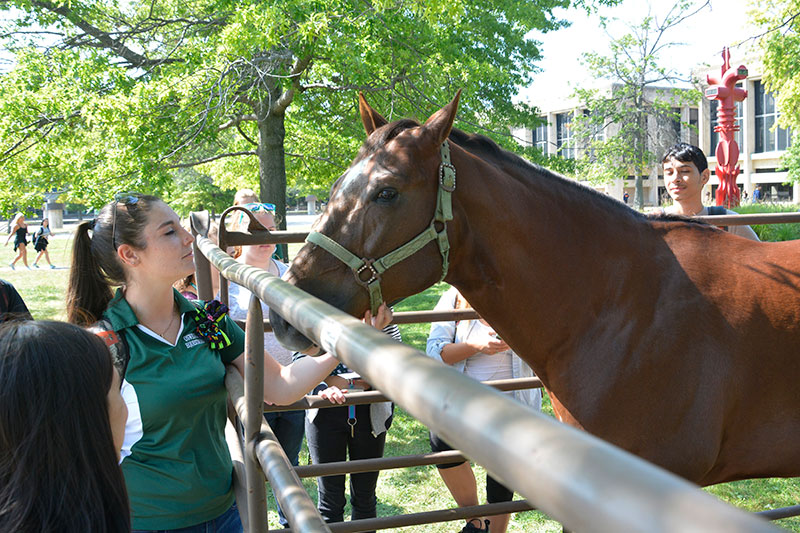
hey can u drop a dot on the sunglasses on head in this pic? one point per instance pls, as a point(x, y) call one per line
point(255, 207)
point(127, 199)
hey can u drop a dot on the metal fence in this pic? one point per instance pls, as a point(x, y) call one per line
point(581, 481)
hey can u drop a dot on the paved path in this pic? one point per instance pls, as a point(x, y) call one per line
point(296, 222)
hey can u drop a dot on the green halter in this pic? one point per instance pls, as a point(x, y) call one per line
point(375, 267)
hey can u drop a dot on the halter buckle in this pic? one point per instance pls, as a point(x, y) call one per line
point(451, 175)
point(367, 266)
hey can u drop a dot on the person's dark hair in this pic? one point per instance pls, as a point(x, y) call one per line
point(96, 268)
point(686, 153)
point(58, 465)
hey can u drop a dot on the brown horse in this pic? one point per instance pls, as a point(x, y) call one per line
point(671, 339)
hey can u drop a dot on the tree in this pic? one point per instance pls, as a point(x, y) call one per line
point(626, 127)
point(106, 96)
point(780, 43)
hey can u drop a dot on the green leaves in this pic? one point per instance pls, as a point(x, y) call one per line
point(780, 20)
point(261, 93)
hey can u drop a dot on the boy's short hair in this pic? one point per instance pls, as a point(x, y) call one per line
point(686, 153)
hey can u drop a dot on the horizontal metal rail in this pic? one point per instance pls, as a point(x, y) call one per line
point(374, 396)
point(428, 517)
point(580, 480)
point(379, 463)
point(414, 317)
point(751, 218)
point(783, 512)
point(264, 236)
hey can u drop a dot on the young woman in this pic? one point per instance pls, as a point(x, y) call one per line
point(472, 347)
point(62, 420)
point(176, 463)
point(287, 425)
point(40, 242)
point(19, 229)
point(330, 436)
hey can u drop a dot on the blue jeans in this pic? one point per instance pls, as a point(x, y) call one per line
point(227, 522)
point(289, 428)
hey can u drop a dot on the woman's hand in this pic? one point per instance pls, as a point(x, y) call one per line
point(333, 394)
point(381, 319)
point(489, 344)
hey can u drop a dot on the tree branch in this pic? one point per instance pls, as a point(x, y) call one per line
point(243, 134)
point(210, 159)
point(286, 98)
point(104, 39)
point(316, 158)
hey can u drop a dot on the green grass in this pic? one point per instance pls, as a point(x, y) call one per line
point(773, 232)
point(410, 490)
point(43, 289)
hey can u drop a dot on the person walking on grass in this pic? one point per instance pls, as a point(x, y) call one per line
point(19, 229)
point(40, 242)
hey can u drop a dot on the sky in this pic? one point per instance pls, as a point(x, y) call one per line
point(701, 37)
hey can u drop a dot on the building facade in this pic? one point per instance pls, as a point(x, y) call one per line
point(761, 142)
point(554, 136)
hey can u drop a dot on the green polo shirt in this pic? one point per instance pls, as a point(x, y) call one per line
point(176, 462)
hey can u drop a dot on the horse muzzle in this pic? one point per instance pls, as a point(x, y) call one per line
point(287, 335)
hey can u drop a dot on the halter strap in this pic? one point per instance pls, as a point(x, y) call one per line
point(375, 267)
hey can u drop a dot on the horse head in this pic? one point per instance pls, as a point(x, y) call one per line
point(381, 236)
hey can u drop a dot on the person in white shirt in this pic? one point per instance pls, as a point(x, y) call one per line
point(472, 347)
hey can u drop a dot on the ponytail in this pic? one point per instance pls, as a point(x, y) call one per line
point(88, 291)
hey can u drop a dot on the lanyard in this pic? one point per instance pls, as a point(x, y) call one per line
point(351, 413)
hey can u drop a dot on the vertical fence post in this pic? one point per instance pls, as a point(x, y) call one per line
point(202, 266)
point(254, 414)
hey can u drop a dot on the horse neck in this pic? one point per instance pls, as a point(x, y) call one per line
point(534, 247)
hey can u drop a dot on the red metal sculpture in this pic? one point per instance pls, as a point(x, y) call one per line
point(724, 90)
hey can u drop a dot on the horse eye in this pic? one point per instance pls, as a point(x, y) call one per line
point(386, 195)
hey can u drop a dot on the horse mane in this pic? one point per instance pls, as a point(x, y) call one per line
point(486, 147)
point(666, 217)
point(483, 146)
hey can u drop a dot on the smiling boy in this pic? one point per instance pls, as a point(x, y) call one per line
point(685, 173)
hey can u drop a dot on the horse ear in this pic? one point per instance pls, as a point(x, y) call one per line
point(440, 123)
point(372, 119)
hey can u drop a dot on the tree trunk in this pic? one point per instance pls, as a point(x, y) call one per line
point(640, 151)
point(272, 167)
point(639, 194)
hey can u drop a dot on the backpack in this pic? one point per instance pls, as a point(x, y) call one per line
point(718, 210)
point(116, 344)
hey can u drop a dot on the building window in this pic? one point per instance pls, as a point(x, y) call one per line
point(596, 133)
point(767, 139)
point(564, 135)
point(693, 122)
point(714, 117)
point(539, 136)
point(675, 124)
